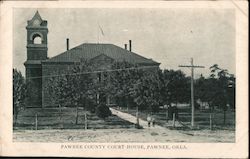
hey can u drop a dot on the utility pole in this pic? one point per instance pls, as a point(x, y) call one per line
point(192, 87)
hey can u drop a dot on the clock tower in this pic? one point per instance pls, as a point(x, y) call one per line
point(36, 53)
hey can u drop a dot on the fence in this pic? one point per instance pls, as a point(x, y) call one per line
point(204, 119)
point(70, 118)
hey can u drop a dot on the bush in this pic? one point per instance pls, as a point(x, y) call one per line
point(155, 108)
point(90, 106)
point(103, 111)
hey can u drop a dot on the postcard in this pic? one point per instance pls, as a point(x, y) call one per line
point(162, 79)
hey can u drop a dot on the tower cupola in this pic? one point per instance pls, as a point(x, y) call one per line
point(37, 32)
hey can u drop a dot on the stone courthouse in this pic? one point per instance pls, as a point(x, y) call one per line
point(38, 65)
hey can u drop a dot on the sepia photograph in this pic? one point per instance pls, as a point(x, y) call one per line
point(127, 75)
point(138, 77)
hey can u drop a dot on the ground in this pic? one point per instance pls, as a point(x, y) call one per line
point(123, 135)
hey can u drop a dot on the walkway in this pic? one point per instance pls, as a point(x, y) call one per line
point(132, 119)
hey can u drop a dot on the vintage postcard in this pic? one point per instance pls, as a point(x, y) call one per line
point(159, 79)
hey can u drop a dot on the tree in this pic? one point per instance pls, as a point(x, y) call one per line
point(218, 90)
point(147, 90)
point(122, 81)
point(199, 90)
point(76, 88)
point(231, 91)
point(207, 91)
point(136, 84)
point(19, 93)
point(140, 84)
point(223, 81)
point(175, 87)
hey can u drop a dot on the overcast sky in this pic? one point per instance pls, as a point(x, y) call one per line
point(168, 36)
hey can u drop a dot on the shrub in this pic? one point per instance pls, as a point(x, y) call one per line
point(91, 106)
point(103, 111)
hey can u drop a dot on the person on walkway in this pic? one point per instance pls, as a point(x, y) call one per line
point(149, 120)
point(153, 121)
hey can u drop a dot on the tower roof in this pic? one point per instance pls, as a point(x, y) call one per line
point(37, 16)
point(37, 21)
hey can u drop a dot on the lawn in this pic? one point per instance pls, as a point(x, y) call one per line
point(49, 118)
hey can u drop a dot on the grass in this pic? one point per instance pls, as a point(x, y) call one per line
point(49, 118)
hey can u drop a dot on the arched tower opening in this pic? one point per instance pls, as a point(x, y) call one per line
point(37, 38)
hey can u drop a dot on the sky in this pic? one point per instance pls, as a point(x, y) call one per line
point(168, 36)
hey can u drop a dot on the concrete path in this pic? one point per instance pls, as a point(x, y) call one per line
point(132, 119)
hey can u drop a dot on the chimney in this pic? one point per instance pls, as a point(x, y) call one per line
point(130, 45)
point(67, 43)
point(125, 46)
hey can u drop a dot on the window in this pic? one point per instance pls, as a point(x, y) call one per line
point(99, 77)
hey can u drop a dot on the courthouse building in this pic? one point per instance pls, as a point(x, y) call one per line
point(38, 65)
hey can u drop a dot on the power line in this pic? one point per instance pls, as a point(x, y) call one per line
point(91, 72)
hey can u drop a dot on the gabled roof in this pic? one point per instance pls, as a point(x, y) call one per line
point(90, 50)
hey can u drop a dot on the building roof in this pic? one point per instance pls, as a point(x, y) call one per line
point(90, 50)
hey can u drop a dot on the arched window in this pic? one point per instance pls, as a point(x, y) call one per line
point(37, 40)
